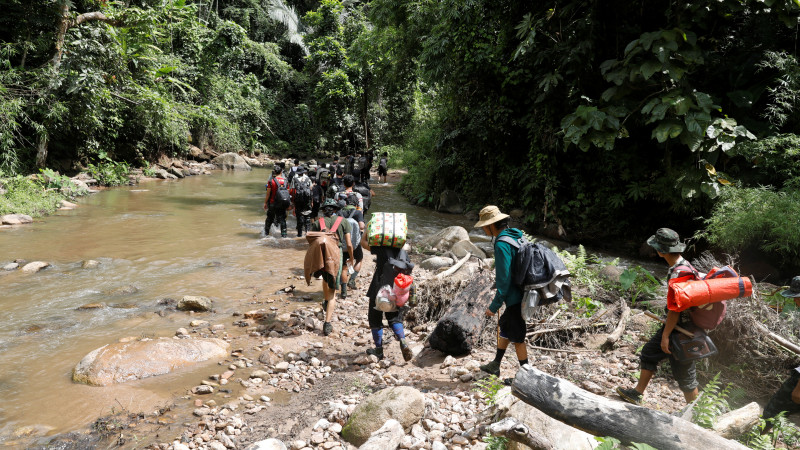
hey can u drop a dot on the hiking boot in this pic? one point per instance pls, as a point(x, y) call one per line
point(327, 328)
point(344, 291)
point(324, 306)
point(407, 353)
point(378, 352)
point(492, 368)
point(630, 395)
point(352, 284)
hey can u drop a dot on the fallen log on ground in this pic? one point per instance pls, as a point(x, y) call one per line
point(789, 345)
point(534, 334)
point(514, 430)
point(453, 269)
point(623, 321)
point(459, 328)
point(600, 416)
point(737, 422)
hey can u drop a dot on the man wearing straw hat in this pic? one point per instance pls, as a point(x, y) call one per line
point(511, 325)
point(668, 245)
point(788, 396)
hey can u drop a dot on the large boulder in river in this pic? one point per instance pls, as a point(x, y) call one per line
point(450, 203)
point(33, 267)
point(15, 219)
point(436, 262)
point(487, 248)
point(401, 403)
point(194, 303)
point(445, 238)
point(230, 161)
point(461, 248)
point(134, 360)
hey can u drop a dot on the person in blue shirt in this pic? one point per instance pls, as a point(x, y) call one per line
point(511, 324)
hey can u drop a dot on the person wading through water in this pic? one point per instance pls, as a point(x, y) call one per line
point(276, 201)
point(668, 245)
point(511, 325)
point(302, 196)
point(331, 283)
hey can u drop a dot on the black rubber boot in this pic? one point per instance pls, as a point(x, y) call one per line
point(377, 351)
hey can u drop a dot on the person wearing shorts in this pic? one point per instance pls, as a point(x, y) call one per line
point(511, 325)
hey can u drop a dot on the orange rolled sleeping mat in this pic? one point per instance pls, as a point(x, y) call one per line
point(718, 285)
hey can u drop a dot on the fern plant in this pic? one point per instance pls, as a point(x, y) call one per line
point(781, 430)
point(711, 403)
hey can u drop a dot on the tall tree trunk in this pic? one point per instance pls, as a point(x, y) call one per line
point(366, 113)
point(41, 150)
point(61, 33)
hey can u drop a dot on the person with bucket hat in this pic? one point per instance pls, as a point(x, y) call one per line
point(330, 283)
point(668, 245)
point(511, 325)
point(787, 398)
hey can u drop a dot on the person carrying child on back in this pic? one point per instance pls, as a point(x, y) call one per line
point(667, 244)
point(301, 190)
point(511, 325)
point(330, 282)
point(277, 201)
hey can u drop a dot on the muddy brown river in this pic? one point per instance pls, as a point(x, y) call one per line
point(160, 239)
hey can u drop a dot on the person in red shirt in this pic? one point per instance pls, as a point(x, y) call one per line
point(274, 204)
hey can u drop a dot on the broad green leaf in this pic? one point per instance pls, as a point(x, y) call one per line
point(608, 94)
point(692, 140)
point(658, 112)
point(703, 100)
point(649, 68)
point(595, 119)
point(712, 131)
point(647, 39)
point(667, 130)
point(676, 72)
point(648, 107)
point(682, 105)
point(631, 45)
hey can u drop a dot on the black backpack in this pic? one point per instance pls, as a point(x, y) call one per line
point(351, 199)
point(366, 195)
point(302, 194)
point(534, 265)
point(282, 197)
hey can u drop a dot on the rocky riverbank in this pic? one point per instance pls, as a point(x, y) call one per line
point(283, 382)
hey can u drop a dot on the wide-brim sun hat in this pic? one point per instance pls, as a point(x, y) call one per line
point(666, 240)
point(794, 288)
point(489, 215)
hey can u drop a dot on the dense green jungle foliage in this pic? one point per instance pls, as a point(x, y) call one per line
point(605, 118)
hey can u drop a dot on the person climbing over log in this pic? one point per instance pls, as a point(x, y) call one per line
point(787, 398)
point(332, 223)
point(668, 245)
point(511, 326)
point(389, 261)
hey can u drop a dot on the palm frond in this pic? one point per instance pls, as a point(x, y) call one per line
point(285, 14)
